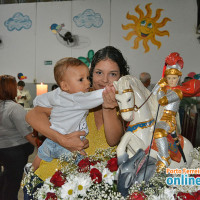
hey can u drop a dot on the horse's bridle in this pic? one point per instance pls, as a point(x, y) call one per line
point(135, 107)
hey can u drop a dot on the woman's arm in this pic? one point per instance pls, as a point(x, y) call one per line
point(38, 118)
point(31, 139)
point(113, 124)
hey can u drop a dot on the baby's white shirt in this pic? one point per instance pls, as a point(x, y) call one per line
point(69, 111)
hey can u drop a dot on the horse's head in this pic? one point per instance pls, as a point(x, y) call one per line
point(125, 98)
point(131, 96)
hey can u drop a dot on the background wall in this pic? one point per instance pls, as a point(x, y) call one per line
point(25, 50)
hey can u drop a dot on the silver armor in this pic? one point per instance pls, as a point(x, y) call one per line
point(170, 99)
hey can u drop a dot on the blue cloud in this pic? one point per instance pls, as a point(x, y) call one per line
point(18, 21)
point(88, 19)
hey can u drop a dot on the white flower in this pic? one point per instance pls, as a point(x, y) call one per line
point(167, 194)
point(83, 182)
point(47, 187)
point(68, 190)
point(99, 165)
point(80, 186)
point(108, 176)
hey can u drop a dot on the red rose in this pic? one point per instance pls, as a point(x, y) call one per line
point(96, 175)
point(196, 195)
point(112, 164)
point(137, 196)
point(51, 196)
point(57, 179)
point(84, 165)
point(196, 175)
point(94, 163)
point(183, 195)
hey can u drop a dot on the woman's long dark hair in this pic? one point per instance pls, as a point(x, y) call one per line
point(8, 87)
point(110, 52)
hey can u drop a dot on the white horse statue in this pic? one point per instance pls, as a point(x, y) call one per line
point(131, 96)
point(140, 110)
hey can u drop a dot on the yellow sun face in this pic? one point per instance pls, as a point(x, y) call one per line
point(145, 27)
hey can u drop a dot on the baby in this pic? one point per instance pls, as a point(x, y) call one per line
point(70, 104)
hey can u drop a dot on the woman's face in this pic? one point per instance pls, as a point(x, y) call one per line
point(105, 72)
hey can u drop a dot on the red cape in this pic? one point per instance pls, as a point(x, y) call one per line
point(190, 88)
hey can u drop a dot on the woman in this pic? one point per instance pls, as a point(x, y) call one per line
point(105, 126)
point(104, 123)
point(15, 135)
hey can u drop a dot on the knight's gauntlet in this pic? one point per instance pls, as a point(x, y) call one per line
point(162, 82)
point(163, 101)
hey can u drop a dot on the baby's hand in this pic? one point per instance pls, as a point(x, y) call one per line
point(109, 97)
point(111, 87)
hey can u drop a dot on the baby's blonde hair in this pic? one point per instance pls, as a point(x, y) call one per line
point(61, 66)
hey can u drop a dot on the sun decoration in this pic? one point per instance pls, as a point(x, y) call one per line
point(145, 27)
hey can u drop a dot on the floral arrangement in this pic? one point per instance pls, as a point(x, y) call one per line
point(94, 178)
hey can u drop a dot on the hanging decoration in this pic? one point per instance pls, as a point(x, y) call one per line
point(21, 76)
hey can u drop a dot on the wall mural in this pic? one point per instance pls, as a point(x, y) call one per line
point(88, 19)
point(66, 38)
point(88, 59)
point(145, 28)
point(17, 22)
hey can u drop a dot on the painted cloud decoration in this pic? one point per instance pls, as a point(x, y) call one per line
point(18, 21)
point(88, 19)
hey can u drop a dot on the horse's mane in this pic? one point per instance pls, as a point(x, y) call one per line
point(152, 101)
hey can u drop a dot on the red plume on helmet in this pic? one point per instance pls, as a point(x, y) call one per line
point(173, 59)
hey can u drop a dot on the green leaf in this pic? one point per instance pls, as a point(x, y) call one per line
point(84, 60)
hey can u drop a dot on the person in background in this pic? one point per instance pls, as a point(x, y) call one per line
point(145, 78)
point(16, 141)
point(191, 74)
point(187, 78)
point(197, 76)
point(186, 102)
point(54, 86)
point(23, 96)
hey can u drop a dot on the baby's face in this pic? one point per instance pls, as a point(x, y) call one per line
point(172, 80)
point(76, 79)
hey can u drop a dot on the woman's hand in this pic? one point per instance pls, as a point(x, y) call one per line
point(73, 142)
point(109, 97)
point(113, 126)
point(38, 118)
